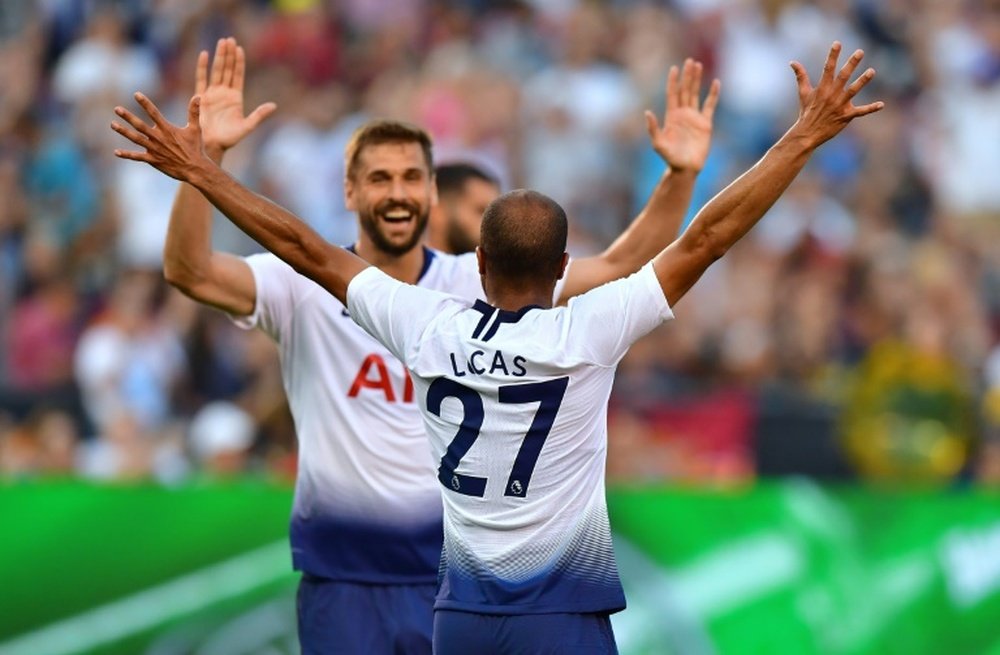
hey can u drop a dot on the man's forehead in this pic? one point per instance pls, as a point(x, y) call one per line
point(481, 188)
point(393, 155)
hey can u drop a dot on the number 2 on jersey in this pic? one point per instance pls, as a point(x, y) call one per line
point(548, 395)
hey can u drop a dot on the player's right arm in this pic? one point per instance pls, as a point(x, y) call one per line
point(179, 152)
point(823, 112)
point(189, 263)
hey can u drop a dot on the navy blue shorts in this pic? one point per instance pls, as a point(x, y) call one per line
point(362, 619)
point(461, 633)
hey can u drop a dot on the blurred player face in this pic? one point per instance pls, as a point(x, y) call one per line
point(392, 192)
point(462, 213)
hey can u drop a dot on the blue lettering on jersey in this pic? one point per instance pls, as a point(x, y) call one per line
point(454, 367)
point(498, 364)
point(476, 364)
point(472, 363)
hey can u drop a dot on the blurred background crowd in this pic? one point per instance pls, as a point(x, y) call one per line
point(853, 335)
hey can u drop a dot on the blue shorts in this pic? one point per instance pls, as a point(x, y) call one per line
point(461, 633)
point(361, 619)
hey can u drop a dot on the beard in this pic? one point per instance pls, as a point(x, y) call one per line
point(372, 220)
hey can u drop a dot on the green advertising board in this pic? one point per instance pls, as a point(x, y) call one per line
point(800, 568)
point(145, 569)
point(790, 567)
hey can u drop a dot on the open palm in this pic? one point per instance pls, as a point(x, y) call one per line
point(223, 124)
point(686, 135)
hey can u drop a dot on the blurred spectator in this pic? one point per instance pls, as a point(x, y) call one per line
point(302, 162)
point(44, 323)
point(303, 39)
point(220, 436)
point(129, 360)
point(44, 444)
point(62, 190)
point(575, 113)
point(856, 332)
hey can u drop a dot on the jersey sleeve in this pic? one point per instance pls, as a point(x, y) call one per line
point(606, 321)
point(278, 289)
point(394, 313)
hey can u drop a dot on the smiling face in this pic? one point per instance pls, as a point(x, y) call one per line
point(392, 191)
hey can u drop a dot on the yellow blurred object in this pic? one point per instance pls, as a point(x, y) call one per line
point(295, 6)
point(909, 416)
point(991, 405)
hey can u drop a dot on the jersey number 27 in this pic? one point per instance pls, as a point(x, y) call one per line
point(548, 395)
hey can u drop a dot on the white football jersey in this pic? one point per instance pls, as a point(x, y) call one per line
point(367, 505)
point(515, 405)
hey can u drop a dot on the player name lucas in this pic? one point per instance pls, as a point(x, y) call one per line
point(480, 363)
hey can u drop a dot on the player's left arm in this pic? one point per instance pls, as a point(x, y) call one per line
point(683, 142)
point(179, 152)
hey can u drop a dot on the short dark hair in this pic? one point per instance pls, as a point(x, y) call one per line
point(452, 177)
point(379, 131)
point(523, 235)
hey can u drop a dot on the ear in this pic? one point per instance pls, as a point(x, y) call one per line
point(562, 265)
point(434, 189)
point(481, 260)
point(349, 202)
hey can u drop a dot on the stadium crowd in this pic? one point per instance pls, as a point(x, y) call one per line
point(858, 340)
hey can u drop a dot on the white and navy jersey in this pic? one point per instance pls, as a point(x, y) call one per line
point(515, 405)
point(367, 506)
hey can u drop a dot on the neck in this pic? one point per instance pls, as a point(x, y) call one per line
point(515, 299)
point(405, 267)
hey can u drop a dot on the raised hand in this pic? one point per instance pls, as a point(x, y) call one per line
point(686, 135)
point(826, 109)
point(173, 150)
point(223, 124)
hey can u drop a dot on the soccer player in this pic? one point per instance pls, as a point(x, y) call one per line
point(464, 190)
point(366, 527)
point(513, 392)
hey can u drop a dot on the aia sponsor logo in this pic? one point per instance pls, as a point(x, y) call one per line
point(374, 374)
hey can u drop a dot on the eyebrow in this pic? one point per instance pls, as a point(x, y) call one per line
point(408, 171)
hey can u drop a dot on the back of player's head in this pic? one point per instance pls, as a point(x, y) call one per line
point(380, 131)
point(452, 177)
point(524, 236)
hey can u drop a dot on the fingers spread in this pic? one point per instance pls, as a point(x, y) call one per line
point(864, 110)
point(802, 79)
point(229, 66)
point(673, 93)
point(130, 134)
point(831, 62)
point(860, 83)
point(151, 109)
point(194, 110)
point(132, 120)
point(712, 100)
point(849, 66)
point(218, 61)
point(201, 72)
point(685, 88)
point(239, 72)
point(652, 125)
point(258, 115)
point(133, 155)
